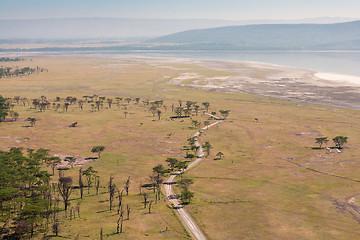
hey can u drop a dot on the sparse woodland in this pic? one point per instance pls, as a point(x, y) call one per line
point(38, 195)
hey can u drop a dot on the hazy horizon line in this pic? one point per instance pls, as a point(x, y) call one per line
point(218, 19)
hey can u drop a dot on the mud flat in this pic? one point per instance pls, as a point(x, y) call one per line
point(275, 81)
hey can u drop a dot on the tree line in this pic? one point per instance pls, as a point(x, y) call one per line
point(9, 72)
point(7, 59)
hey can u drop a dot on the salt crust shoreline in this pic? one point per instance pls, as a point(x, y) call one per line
point(298, 85)
point(338, 77)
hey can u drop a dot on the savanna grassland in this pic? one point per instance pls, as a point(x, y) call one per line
point(272, 182)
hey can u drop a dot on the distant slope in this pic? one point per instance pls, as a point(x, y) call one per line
point(270, 36)
point(70, 28)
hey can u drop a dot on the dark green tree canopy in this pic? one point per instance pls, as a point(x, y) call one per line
point(321, 141)
point(98, 150)
point(23, 191)
point(340, 141)
point(4, 108)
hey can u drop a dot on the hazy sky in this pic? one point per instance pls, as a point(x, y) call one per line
point(215, 9)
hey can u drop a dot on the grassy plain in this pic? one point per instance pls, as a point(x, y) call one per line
point(263, 188)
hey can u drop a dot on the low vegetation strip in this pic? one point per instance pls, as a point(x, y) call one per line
point(321, 172)
point(184, 215)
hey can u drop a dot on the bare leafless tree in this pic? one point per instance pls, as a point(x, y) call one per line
point(146, 196)
point(127, 185)
point(150, 203)
point(81, 184)
point(128, 209)
point(97, 184)
point(120, 200)
point(111, 191)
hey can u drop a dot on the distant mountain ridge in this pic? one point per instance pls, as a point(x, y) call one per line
point(73, 28)
point(338, 36)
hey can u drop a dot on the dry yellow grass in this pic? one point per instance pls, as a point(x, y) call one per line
point(253, 193)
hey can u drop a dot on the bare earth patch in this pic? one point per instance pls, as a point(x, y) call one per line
point(273, 81)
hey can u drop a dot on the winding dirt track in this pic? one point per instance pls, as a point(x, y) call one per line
point(184, 215)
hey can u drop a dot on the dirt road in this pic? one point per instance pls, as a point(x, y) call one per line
point(184, 215)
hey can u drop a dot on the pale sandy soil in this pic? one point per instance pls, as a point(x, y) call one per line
point(272, 81)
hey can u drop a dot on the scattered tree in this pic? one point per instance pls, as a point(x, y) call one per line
point(321, 141)
point(159, 170)
point(32, 121)
point(111, 188)
point(65, 189)
point(109, 101)
point(71, 160)
point(98, 150)
point(13, 115)
point(81, 184)
point(128, 100)
point(185, 183)
point(186, 196)
point(172, 162)
point(190, 155)
point(81, 104)
point(220, 155)
point(73, 124)
point(66, 106)
point(150, 203)
point(195, 123)
point(97, 184)
point(119, 211)
point(207, 146)
point(90, 174)
point(191, 141)
point(128, 209)
point(127, 185)
point(146, 196)
point(224, 113)
point(181, 166)
point(206, 105)
point(4, 108)
point(53, 162)
point(340, 141)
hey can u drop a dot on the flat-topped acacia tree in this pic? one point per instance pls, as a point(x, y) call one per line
point(53, 162)
point(32, 121)
point(321, 141)
point(90, 174)
point(71, 160)
point(220, 155)
point(98, 150)
point(224, 113)
point(206, 105)
point(128, 100)
point(340, 140)
point(172, 162)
